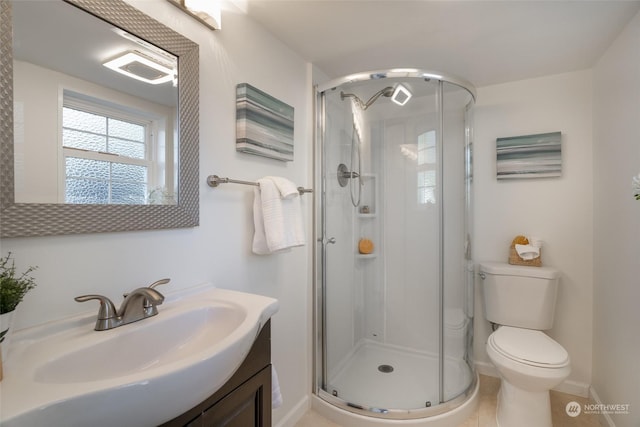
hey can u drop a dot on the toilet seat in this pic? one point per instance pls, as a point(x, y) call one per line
point(530, 347)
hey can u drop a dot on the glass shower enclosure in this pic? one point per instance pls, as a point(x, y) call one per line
point(393, 294)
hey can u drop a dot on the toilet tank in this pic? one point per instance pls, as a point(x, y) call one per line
point(519, 296)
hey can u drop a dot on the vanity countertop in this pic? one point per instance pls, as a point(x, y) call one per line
point(65, 373)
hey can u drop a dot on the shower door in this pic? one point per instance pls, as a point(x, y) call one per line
point(393, 316)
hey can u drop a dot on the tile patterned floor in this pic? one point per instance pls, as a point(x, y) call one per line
point(485, 414)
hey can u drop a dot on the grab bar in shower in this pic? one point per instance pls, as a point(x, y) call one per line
point(215, 180)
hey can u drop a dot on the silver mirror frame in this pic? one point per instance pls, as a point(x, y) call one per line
point(47, 219)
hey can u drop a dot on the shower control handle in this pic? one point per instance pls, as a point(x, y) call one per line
point(349, 175)
point(325, 242)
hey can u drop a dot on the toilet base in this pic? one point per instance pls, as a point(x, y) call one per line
point(522, 408)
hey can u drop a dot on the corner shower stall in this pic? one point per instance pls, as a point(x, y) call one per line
point(393, 294)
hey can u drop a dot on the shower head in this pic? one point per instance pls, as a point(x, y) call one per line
point(387, 92)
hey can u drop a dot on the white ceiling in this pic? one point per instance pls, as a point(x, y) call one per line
point(484, 42)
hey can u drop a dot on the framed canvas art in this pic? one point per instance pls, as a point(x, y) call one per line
point(264, 125)
point(529, 156)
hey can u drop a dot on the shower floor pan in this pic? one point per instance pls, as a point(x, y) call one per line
point(389, 377)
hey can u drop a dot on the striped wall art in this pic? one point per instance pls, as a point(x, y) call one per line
point(529, 156)
point(264, 125)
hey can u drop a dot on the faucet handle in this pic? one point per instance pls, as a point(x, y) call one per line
point(107, 314)
point(151, 286)
point(151, 309)
point(107, 309)
point(159, 282)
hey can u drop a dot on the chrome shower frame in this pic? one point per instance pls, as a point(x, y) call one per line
point(397, 72)
point(321, 241)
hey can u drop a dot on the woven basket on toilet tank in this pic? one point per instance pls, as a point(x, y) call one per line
point(516, 260)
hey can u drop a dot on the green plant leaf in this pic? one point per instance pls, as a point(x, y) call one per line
point(13, 288)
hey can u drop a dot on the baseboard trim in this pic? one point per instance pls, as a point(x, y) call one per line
point(293, 416)
point(484, 368)
point(568, 386)
point(604, 419)
point(573, 387)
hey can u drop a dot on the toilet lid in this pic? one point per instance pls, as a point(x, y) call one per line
point(529, 347)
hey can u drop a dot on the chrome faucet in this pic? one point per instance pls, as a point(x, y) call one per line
point(134, 307)
point(137, 305)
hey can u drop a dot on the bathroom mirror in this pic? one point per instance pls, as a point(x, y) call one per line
point(160, 114)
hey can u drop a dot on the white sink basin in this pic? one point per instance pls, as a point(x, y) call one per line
point(179, 333)
point(140, 374)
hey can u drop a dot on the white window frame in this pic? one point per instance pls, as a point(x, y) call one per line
point(89, 104)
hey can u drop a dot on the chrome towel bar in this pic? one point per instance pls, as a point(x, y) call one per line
point(215, 180)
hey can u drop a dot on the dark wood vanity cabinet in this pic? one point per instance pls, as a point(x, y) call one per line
point(244, 400)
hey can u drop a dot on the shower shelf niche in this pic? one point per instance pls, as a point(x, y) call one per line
point(366, 224)
point(369, 196)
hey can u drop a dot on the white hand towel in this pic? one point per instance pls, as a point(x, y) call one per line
point(276, 395)
point(527, 252)
point(259, 237)
point(277, 216)
point(287, 189)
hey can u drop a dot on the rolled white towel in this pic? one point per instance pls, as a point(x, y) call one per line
point(527, 252)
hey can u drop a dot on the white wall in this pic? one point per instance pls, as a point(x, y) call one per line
point(616, 342)
point(219, 249)
point(558, 210)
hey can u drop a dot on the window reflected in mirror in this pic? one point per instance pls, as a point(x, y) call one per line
point(113, 155)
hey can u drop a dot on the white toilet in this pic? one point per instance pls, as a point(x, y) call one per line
point(521, 302)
